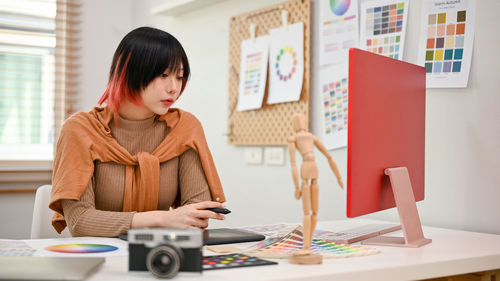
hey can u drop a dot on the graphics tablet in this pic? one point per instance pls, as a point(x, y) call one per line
point(218, 236)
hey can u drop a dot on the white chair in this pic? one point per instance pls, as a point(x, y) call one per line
point(41, 225)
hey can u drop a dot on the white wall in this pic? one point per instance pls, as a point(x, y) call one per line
point(104, 23)
point(462, 155)
point(462, 131)
point(16, 210)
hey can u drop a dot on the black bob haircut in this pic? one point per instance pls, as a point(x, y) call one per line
point(142, 55)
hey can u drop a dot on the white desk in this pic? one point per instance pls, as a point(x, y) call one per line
point(451, 252)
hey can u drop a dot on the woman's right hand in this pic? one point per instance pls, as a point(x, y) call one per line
point(192, 215)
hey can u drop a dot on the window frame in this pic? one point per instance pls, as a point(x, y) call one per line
point(66, 75)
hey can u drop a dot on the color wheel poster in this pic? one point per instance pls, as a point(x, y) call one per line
point(253, 73)
point(334, 95)
point(383, 27)
point(446, 39)
point(338, 30)
point(286, 63)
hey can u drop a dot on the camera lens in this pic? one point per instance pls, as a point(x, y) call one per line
point(164, 261)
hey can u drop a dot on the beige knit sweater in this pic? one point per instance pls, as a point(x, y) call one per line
point(98, 212)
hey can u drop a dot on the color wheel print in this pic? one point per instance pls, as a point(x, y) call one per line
point(339, 7)
point(81, 248)
point(286, 63)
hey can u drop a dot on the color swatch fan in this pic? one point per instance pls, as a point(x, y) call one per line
point(283, 247)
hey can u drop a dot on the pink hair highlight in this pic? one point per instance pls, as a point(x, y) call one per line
point(118, 90)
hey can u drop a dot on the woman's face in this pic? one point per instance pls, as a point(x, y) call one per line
point(162, 92)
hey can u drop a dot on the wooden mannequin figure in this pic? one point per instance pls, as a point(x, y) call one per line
point(304, 142)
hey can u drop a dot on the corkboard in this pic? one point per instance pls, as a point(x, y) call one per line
point(271, 124)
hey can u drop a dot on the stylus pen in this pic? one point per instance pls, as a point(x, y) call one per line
point(219, 210)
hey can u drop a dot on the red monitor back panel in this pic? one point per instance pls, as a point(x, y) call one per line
point(386, 128)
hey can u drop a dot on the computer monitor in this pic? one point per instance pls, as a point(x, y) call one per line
point(386, 134)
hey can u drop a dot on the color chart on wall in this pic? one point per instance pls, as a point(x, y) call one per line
point(334, 97)
point(283, 247)
point(338, 29)
point(286, 63)
point(253, 73)
point(446, 40)
point(383, 27)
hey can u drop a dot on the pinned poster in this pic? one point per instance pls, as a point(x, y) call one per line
point(334, 95)
point(338, 30)
point(253, 73)
point(286, 63)
point(446, 40)
point(383, 27)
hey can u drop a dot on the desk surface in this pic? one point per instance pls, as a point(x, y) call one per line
point(451, 252)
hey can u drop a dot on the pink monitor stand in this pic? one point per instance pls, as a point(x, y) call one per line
point(408, 213)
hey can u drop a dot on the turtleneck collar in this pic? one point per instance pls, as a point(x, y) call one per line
point(136, 124)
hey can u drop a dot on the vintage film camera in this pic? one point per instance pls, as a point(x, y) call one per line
point(164, 251)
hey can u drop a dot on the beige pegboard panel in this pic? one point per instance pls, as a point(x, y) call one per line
point(271, 124)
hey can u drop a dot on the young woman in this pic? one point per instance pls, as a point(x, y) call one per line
point(124, 165)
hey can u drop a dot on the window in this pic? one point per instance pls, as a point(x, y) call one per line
point(38, 72)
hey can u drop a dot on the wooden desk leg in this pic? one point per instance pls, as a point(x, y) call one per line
point(492, 275)
point(496, 275)
point(487, 276)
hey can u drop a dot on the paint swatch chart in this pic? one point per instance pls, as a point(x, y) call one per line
point(383, 27)
point(338, 29)
point(446, 40)
point(253, 73)
point(283, 247)
point(11, 248)
point(232, 261)
point(334, 94)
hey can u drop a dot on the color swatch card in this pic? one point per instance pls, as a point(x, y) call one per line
point(11, 248)
point(334, 96)
point(253, 73)
point(383, 27)
point(446, 40)
point(278, 229)
point(338, 30)
point(280, 248)
point(232, 261)
point(286, 63)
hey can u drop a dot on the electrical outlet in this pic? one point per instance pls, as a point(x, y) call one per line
point(274, 156)
point(253, 155)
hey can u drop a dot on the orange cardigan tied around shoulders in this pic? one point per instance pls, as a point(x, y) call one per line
point(86, 137)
